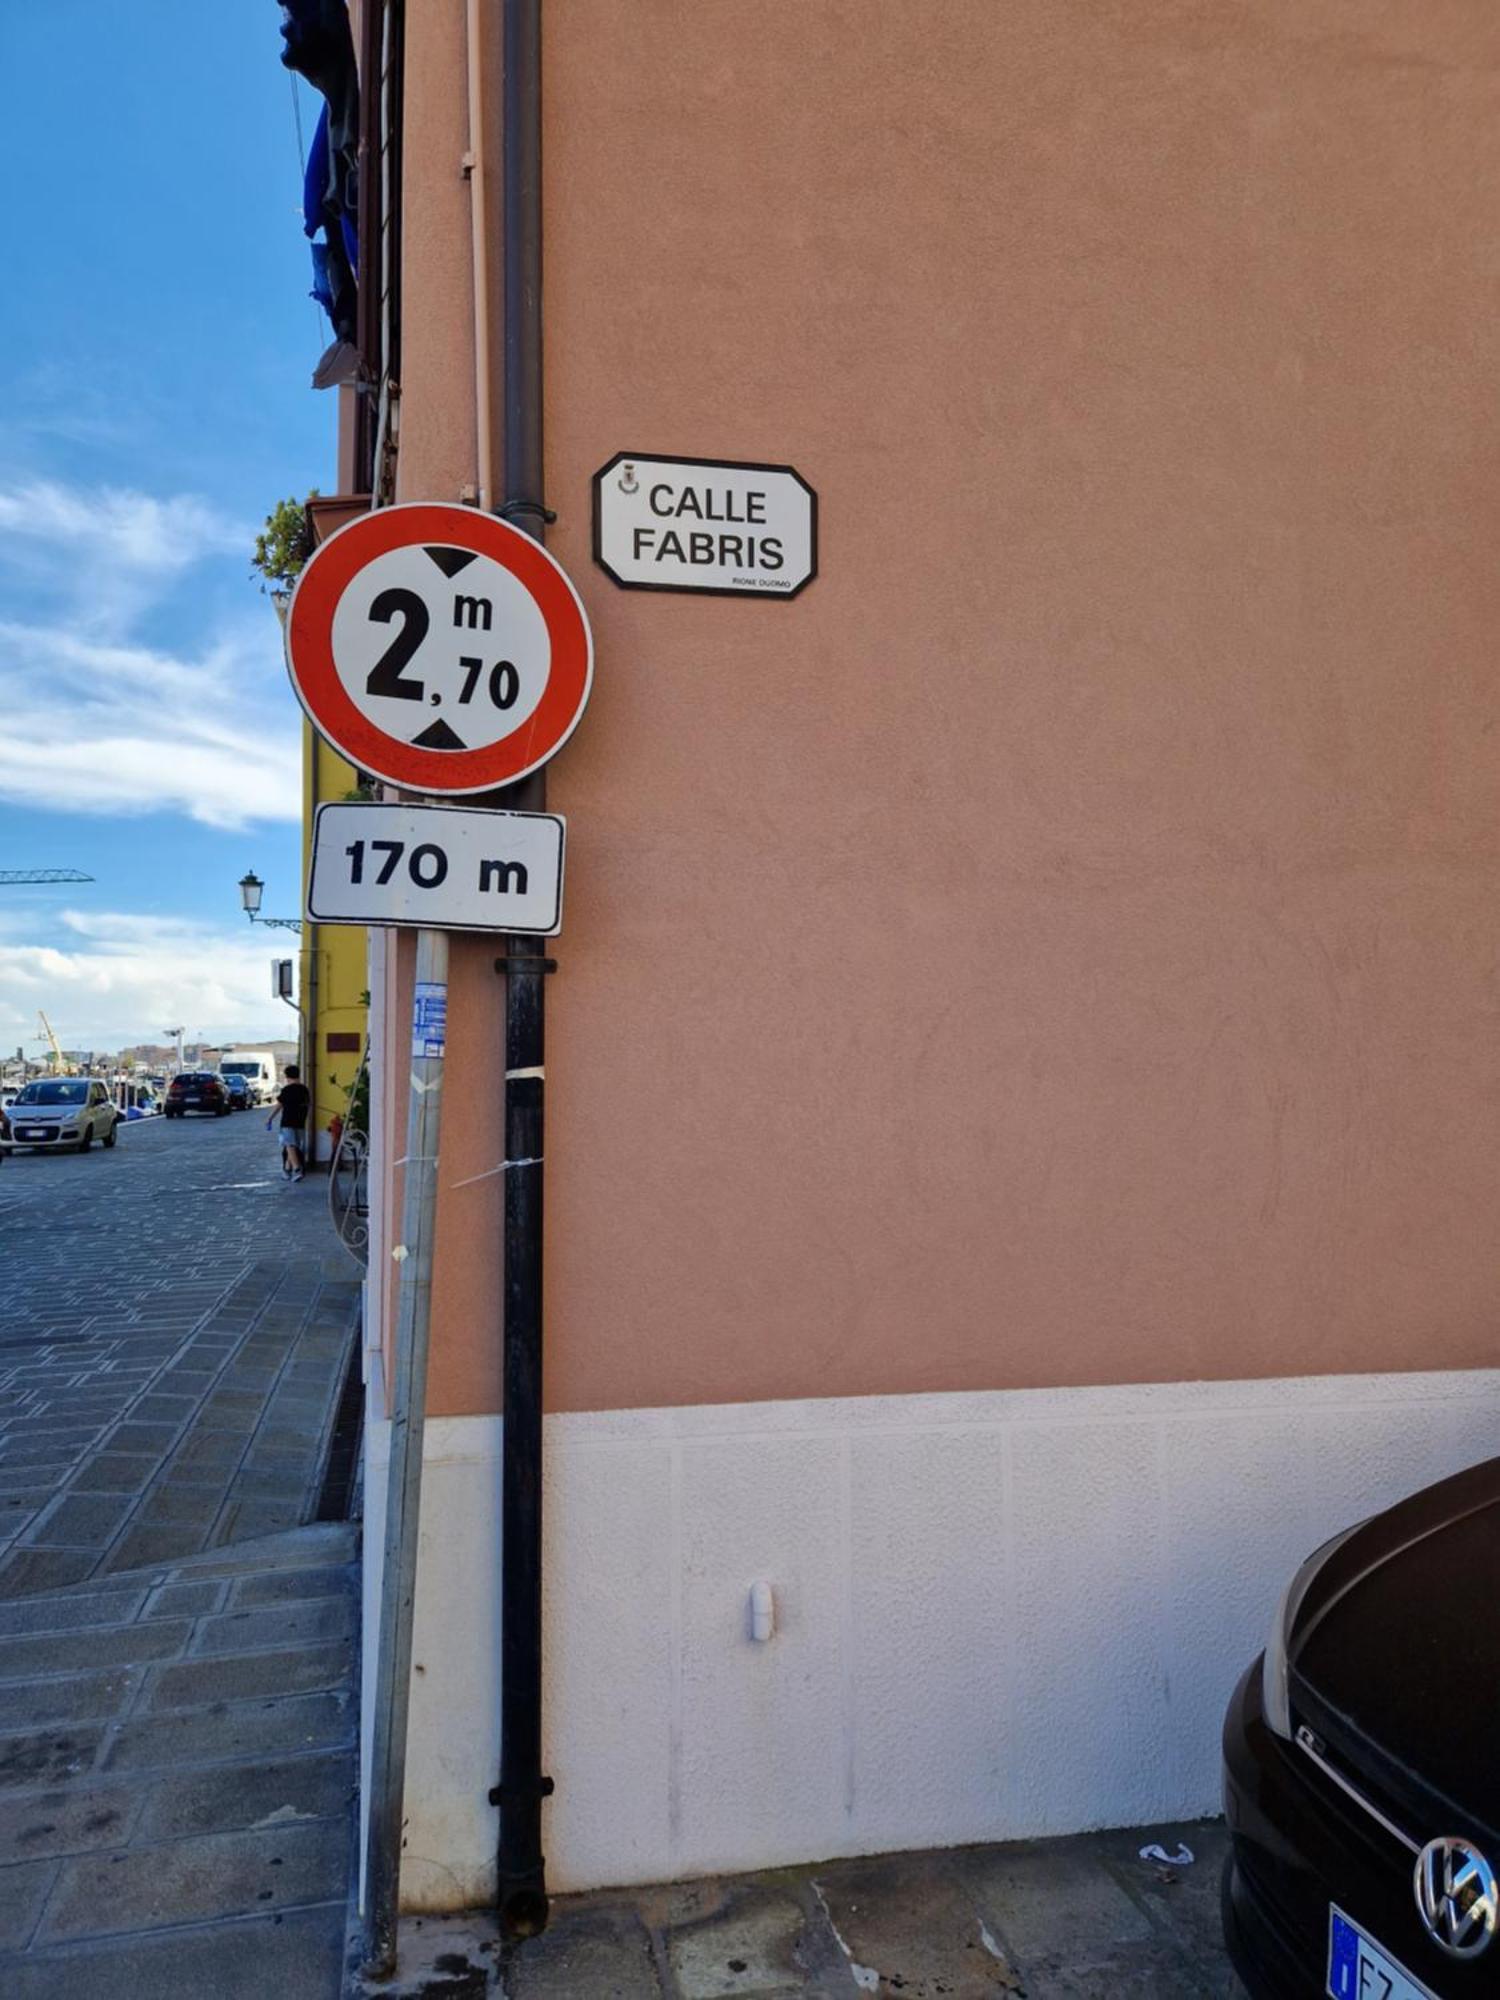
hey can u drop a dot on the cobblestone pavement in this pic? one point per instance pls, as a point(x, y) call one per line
point(177, 1766)
point(1078, 1919)
point(174, 1326)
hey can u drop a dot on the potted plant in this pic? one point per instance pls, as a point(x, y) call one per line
point(281, 550)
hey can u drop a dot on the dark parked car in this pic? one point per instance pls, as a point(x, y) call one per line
point(1361, 1767)
point(239, 1092)
point(196, 1090)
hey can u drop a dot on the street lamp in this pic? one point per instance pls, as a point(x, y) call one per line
point(251, 889)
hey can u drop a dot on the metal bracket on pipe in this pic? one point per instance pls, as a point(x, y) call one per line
point(525, 962)
point(500, 1795)
point(526, 507)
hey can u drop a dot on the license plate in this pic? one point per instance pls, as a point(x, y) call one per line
point(1359, 1970)
point(33, 1132)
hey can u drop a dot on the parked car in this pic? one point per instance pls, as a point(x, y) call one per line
point(239, 1088)
point(1361, 1778)
point(196, 1090)
point(58, 1111)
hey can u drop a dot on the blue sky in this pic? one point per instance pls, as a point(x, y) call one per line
point(156, 345)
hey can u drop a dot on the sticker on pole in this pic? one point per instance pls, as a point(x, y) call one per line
point(429, 1020)
point(440, 868)
point(439, 648)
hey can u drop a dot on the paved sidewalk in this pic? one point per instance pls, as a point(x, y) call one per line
point(177, 1783)
point(1077, 1919)
point(174, 1326)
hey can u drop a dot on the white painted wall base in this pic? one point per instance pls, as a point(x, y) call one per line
point(997, 1615)
point(453, 1744)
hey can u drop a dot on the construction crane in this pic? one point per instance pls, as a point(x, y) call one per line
point(9, 877)
point(59, 1060)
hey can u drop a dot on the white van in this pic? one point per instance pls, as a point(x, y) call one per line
point(258, 1068)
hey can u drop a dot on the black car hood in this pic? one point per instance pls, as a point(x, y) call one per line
point(1395, 1656)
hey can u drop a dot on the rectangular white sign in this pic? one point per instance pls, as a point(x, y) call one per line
point(443, 868)
point(714, 525)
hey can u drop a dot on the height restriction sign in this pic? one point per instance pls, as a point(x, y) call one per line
point(439, 648)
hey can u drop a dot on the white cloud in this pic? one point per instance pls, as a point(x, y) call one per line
point(108, 554)
point(95, 727)
point(94, 720)
point(108, 979)
point(133, 530)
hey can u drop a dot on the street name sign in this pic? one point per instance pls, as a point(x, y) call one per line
point(439, 648)
point(721, 527)
point(445, 868)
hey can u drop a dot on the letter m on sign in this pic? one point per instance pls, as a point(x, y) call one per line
point(474, 612)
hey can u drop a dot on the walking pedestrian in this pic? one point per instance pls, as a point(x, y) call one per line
point(293, 1108)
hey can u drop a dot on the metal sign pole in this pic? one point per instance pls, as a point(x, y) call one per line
point(404, 1480)
point(384, 621)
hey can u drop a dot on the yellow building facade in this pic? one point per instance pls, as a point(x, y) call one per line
point(333, 973)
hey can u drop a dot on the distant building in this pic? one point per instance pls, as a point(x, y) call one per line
point(148, 1056)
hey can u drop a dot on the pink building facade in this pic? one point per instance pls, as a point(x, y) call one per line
point(1023, 1064)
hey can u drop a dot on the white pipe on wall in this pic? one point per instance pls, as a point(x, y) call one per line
point(480, 253)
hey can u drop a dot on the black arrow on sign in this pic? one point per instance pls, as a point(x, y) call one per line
point(438, 736)
point(451, 561)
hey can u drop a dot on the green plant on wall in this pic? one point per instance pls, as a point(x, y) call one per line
point(357, 1117)
point(283, 546)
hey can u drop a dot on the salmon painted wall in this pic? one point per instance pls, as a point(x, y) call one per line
point(1058, 947)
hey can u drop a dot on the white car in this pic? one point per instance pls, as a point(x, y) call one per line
point(55, 1111)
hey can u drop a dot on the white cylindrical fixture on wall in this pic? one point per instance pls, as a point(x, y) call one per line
point(762, 1611)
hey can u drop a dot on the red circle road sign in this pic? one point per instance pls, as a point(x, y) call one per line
point(439, 648)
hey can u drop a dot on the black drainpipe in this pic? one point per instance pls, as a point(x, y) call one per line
point(522, 1866)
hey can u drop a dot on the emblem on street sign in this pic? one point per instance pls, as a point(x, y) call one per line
point(445, 868)
point(718, 526)
point(439, 648)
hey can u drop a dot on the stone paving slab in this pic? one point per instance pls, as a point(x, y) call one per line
point(192, 1835)
point(177, 1322)
point(233, 1732)
point(270, 1792)
point(1076, 1919)
point(913, 1918)
point(39, 1825)
point(290, 1957)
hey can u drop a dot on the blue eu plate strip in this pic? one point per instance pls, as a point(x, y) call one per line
point(1343, 1960)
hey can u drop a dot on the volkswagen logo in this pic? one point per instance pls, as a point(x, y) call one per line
point(1456, 1897)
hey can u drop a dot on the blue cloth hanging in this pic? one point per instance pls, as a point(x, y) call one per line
point(320, 46)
